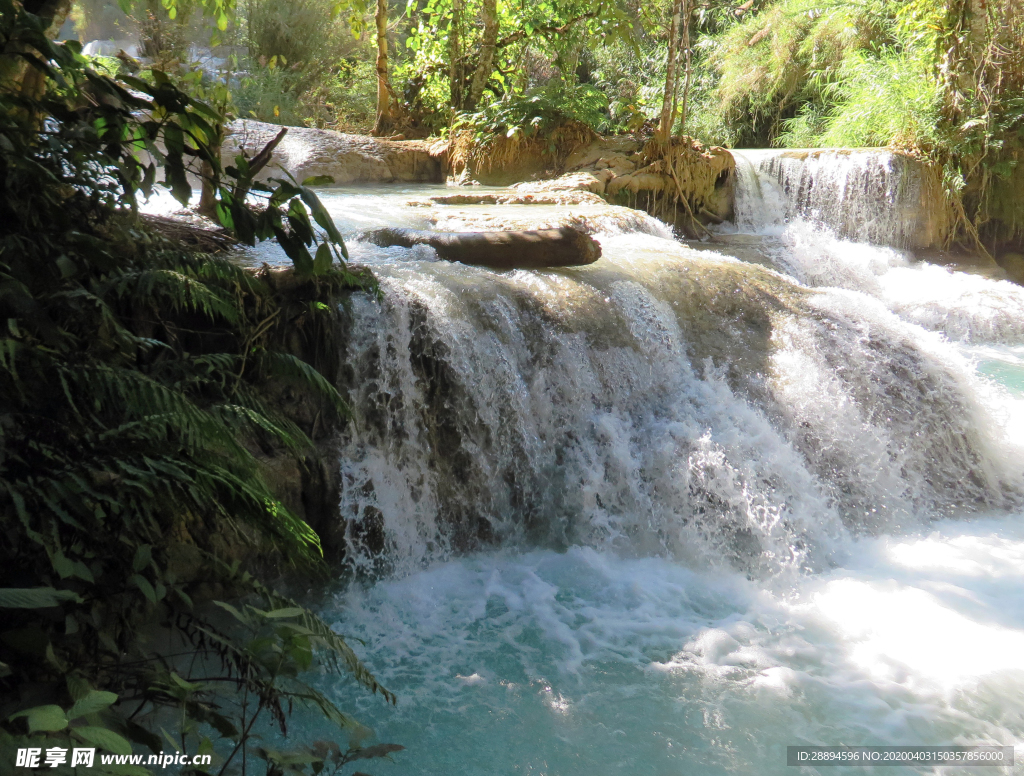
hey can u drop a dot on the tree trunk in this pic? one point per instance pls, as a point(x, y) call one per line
point(388, 106)
point(687, 13)
point(455, 74)
point(667, 107)
point(489, 13)
point(208, 187)
point(563, 247)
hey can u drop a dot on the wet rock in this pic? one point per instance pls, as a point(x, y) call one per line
point(621, 147)
point(589, 219)
point(619, 165)
point(593, 181)
point(1013, 263)
point(536, 249)
point(523, 196)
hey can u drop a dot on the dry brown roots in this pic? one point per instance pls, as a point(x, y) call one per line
point(499, 152)
point(678, 182)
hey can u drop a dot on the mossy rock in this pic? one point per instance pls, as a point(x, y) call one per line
point(1013, 263)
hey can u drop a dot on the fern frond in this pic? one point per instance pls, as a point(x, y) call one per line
point(286, 365)
point(179, 290)
point(321, 632)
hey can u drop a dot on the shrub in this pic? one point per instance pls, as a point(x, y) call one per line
point(132, 397)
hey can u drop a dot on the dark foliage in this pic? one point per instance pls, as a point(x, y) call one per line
point(132, 382)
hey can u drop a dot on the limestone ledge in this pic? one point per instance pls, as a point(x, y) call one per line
point(306, 152)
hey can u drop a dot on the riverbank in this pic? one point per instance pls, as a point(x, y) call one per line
point(886, 196)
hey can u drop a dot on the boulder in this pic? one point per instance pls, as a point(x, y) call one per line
point(539, 196)
point(593, 181)
point(306, 152)
point(565, 247)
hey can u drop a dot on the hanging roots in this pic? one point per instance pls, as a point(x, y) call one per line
point(470, 154)
point(680, 182)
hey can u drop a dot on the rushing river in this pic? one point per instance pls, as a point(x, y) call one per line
point(674, 511)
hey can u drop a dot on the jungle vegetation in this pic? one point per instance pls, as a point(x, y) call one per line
point(136, 377)
point(136, 394)
point(941, 80)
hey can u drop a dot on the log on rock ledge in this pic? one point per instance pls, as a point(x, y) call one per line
point(563, 247)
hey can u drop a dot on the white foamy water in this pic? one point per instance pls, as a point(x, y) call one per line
point(673, 512)
point(800, 201)
point(585, 662)
point(965, 307)
point(663, 400)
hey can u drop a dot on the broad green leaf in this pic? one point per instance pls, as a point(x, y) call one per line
point(143, 556)
point(293, 611)
point(176, 179)
point(103, 738)
point(296, 251)
point(232, 611)
point(284, 192)
point(170, 739)
point(96, 700)
point(318, 180)
point(323, 259)
point(43, 718)
point(174, 139)
point(62, 565)
point(78, 687)
point(320, 214)
point(144, 585)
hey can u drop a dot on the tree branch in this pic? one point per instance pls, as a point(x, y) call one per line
point(521, 34)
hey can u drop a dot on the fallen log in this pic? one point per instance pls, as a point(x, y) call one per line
point(564, 247)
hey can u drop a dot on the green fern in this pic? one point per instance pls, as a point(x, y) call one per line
point(135, 387)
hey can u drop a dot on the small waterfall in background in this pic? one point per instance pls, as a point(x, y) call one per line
point(872, 196)
point(761, 204)
point(673, 511)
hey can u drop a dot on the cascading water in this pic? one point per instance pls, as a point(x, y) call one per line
point(873, 195)
point(673, 512)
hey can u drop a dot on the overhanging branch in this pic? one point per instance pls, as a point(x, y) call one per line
point(522, 34)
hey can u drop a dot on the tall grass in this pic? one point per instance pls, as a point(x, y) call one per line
point(863, 96)
point(941, 79)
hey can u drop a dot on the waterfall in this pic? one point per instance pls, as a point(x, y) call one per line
point(665, 401)
point(872, 196)
point(673, 511)
point(809, 205)
point(760, 203)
